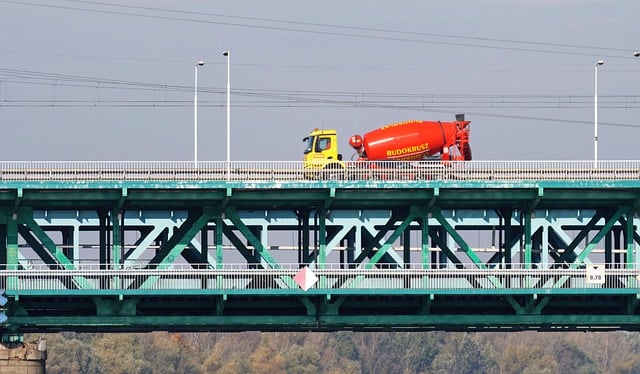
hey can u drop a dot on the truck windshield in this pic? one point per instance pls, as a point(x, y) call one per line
point(323, 144)
point(309, 141)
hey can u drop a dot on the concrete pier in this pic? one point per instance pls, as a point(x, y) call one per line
point(17, 357)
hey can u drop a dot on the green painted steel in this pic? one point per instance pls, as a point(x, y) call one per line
point(157, 225)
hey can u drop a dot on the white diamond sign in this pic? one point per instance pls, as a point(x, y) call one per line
point(305, 278)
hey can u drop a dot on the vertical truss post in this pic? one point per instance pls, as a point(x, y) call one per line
point(424, 230)
point(303, 236)
point(406, 238)
point(322, 250)
point(421, 216)
point(618, 239)
point(204, 245)
point(438, 257)
point(608, 253)
point(322, 245)
point(508, 233)
point(103, 218)
point(628, 239)
point(12, 249)
point(425, 246)
point(75, 240)
point(117, 223)
point(219, 247)
point(68, 247)
point(528, 247)
point(544, 247)
point(351, 247)
point(4, 216)
point(536, 245)
point(12, 241)
point(116, 218)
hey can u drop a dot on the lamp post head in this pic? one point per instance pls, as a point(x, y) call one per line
point(200, 63)
point(636, 53)
point(600, 62)
point(225, 53)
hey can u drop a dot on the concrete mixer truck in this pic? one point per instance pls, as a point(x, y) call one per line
point(410, 145)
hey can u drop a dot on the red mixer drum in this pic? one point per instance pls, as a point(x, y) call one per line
point(410, 140)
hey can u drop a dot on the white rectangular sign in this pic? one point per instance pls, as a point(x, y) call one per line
point(595, 274)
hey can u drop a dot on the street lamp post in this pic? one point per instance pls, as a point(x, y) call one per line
point(595, 115)
point(195, 114)
point(227, 54)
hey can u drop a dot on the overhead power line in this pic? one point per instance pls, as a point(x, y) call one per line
point(12, 79)
point(434, 109)
point(380, 33)
point(36, 77)
point(258, 96)
point(349, 27)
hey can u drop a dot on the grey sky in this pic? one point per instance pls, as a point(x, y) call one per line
point(454, 52)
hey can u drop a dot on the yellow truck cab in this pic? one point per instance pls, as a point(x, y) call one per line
point(322, 150)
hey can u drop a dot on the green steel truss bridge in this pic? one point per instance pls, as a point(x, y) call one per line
point(142, 246)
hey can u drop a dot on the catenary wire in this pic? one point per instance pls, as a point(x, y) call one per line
point(320, 32)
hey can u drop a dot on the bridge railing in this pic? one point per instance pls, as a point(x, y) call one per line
point(242, 280)
point(296, 171)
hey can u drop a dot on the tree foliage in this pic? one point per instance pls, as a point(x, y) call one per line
point(344, 353)
point(460, 354)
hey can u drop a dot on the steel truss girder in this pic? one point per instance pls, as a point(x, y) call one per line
point(374, 238)
point(316, 314)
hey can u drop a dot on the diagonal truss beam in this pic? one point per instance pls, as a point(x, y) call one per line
point(25, 216)
point(437, 214)
point(596, 239)
point(371, 244)
point(264, 254)
point(389, 242)
point(37, 247)
point(441, 243)
point(239, 245)
point(585, 253)
point(570, 251)
point(181, 238)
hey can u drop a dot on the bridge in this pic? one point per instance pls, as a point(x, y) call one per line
point(471, 246)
